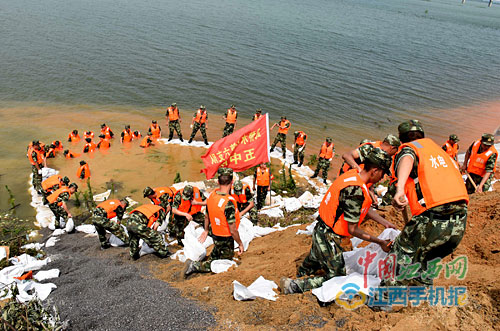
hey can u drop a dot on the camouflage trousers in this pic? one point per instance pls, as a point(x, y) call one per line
point(261, 196)
point(298, 154)
point(477, 179)
point(228, 129)
point(37, 178)
point(202, 127)
point(176, 230)
point(59, 213)
point(426, 237)
point(138, 230)
point(223, 250)
point(251, 214)
point(323, 165)
point(174, 125)
point(325, 254)
point(280, 138)
point(102, 223)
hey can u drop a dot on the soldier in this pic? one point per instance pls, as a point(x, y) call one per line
point(160, 196)
point(199, 122)
point(51, 152)
point(480, 162)
point(102, 220)
point(126, 135)
point(354, 159)
point(146, 141)
point(174, 119)
point(53, 183)
point(83, 171)
point(103, 143)
point(58, 145)
point(432, 186)
point(36, 156)
point(106, 131)
point(299, 147)
point(57, 203)
point(224, 219)
point(140, 226)
point(326, 154)
point(244, 198)
point(257, 115)
point(186, 207)
point(88, 134)
point(451, 146)
point(70, 155)
point(283, 127)
point(262, 177)
point(136, 135)
point(73, 136)
point(231, 116)
point(154, 130)
point(341, 213)
point(90, 146)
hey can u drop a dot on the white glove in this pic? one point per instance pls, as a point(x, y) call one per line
point(191, 126)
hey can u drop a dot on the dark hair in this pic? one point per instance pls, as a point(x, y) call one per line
point(411, 136)
point(225, 179)
point(88, 140)
point(83, 162)
point(370, 165)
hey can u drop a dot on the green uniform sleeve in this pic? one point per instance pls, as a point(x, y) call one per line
point(403, 152)
point(248, 194)
point(119, 212)
point(230, 212)
point(63, 197)
point(490, 164)
point(177, 200)
point(351, 201)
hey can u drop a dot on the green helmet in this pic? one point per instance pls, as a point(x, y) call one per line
point(392, 140)
point(410, 125)
point(187, 192)
point(173, 105)
point(454, 137)
point(238, 186)
point(74, 185)
point(259, 110)
point(381, 159)
point(148, 191)
point(488, 139)
point(329, 140)
point(225, 171)
point(65, 180)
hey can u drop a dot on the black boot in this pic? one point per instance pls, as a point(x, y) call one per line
point(315, 175)
point(170, 137)
point(206, 142)
point(182, 140)
point(190, 140)
point(300, 164)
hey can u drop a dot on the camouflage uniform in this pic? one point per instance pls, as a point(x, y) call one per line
point(261, 192)
point(252, 213)
point(281, 138)
point(37, 178)
point(137, 227)
point(178, 223)
point(298, 151)
point(59, 211)
point(223, 246)
point(323, 165)
point(102, 223)
point(489, 167)
point(363, 151)
point(228, 129)
point(326, 250)
point(202, 127)
point(435, 233)
point(174, 125)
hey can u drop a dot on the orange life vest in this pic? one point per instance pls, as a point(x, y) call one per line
point(301, 139)
point(53, 197)
point(451, 150)
point(438, 176)
point(87, 171)
point(257, 116)
point(89, 134)
point(231, 116)
point(330, 203)
point(60, 148)
point(173, 113)
point(240, 198)
point(72, 155)
point(155, 131)
point(263, 177)
point(73, 138)
point(152, 213)
point(144, 142)
point(283, 129)
point(216, 204)
point(201, 116)
point(477, 162)
point(52, 181)
point(326, 151)
point(40, 156)
point(161, 191)
point(375, 144)
point(136, 136)
point(103, 144)
point(127, 136)
point(186, 206)
point(91, 147)
point(109, 206)
point(106, 131)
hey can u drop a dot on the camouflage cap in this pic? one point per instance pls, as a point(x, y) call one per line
point(259, 110)
point(148, 191)
point(173, 105)
point(328, 140)
point(488, 139)
point(410, 125)
point(65, 180)
point(283, 117)
point(74, 185)
point(364, 141)
point(454, 137)
point(202, 107)
point(187, 192)
point(238, 186)
point(380, 159)
point(392, 140)
point(153, 121)
point(224, 171)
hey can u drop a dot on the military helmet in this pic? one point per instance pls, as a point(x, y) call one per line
point(410, 125)
point(153, 121)
point(148, 191)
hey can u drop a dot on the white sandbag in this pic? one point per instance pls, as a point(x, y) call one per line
point(306, 197)
point(86, 228)
point(115, 241)
point(193, 249)
point(48, 172)
point(261, 288)
point(353, 282)
point(7, 274)
point(44, 217)
point(309, 229)
point(102, 196)
point(179, 255)
point(261, 232)
point(29, 262)
point(351, 257)
point(314, 202)
point(292, 204)
point(3, 253)
point(58, 232)
point(41, 291)
point(273, 212)
point(246, 232)
point(218, 266)
point(46, 274)
point(51, 242)
point(70, 225)
point(36, 246)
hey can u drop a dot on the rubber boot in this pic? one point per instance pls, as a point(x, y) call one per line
point(190, 140)
point(206, 142)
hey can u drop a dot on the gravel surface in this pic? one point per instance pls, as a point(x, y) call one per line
point(105, 290)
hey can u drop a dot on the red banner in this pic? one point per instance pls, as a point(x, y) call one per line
point(243, 149)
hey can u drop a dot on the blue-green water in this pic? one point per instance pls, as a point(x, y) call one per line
point(348, 69)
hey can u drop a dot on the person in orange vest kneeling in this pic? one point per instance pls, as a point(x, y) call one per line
point(186, 207)
point(343, 209)
point(140, 225)
point(102, 219)
point(57, 203)
point(326, 154)
point(224, 219)
point(84, 171)
point(480, 162)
